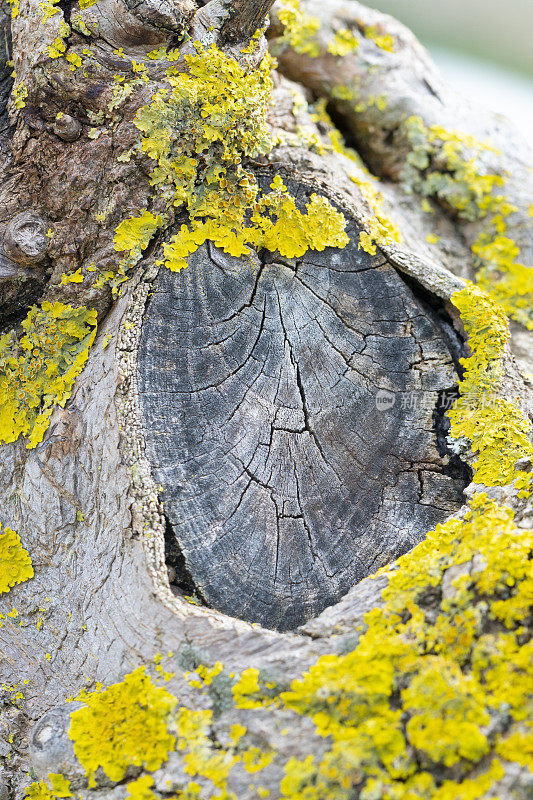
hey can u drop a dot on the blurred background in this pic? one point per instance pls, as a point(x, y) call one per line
point(483, 47)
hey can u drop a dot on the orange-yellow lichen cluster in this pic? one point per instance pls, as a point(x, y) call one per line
point(495, 426)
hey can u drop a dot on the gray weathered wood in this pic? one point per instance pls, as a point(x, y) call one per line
point(282, 480)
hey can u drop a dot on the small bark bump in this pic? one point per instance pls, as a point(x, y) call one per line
point(67, 128)
point(25, 239)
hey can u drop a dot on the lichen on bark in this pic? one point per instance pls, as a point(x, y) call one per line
point(418, 682)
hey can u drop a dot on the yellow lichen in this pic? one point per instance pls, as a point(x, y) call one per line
point(15, 561)
point(58, 787)
point(385, 41)
point(124, 725)
point(300, 28)
point(134, 233)
point(38, 371)
point(72, 277)
point(199, 130)
point(141, 789)
point(20, 94)
point(463, 184)
point(201, 757)
point(496, 428)
point(446, 705)
point(343, 43)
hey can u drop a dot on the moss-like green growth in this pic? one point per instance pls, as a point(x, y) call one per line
point(38, 371)
point(459, 180)
point(448, 166)
point(15, 561)
point(124, 725)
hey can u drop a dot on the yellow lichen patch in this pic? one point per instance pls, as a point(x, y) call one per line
point(72, 277)
point(57, 787)
point(38, 371)
point(134, 233)
point(20, 94)
point(449, 697)
point(378, 229)
point(15, 561)
point(49, 8)
point(434, 697)
point(499, 273)
point(141, 789)
point(58, 47)
point(124, 725)
point(498, 431)
point(385, 41)
point(251, 691)
point(300, 29)
point(201, 757)
point(343, 43)
point(199, 130)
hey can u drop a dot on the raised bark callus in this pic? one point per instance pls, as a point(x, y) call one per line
point(226, 422)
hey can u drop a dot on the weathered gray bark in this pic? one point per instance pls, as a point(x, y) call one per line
point(87, 502)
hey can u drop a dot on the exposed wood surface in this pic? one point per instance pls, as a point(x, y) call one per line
point(284, 482)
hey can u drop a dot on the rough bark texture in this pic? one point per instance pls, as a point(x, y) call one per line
point(326, 330)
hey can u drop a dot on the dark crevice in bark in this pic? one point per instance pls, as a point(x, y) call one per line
point(17, 295)
point(244, 19)
point(435, 309)
point(6, 79)
point(455, 468)
point(373, 161)
point(179, 576)
point(66, 8)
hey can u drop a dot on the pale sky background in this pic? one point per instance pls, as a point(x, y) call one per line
point(483, 48)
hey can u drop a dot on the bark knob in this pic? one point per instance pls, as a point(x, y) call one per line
point(66, 127)
point(25, 239)
point(51, 749)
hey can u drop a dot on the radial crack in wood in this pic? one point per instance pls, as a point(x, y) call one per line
point(288, 415)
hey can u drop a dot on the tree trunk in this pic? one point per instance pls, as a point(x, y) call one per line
point(207, 467)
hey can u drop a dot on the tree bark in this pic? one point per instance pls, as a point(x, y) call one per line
point(223, 460)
